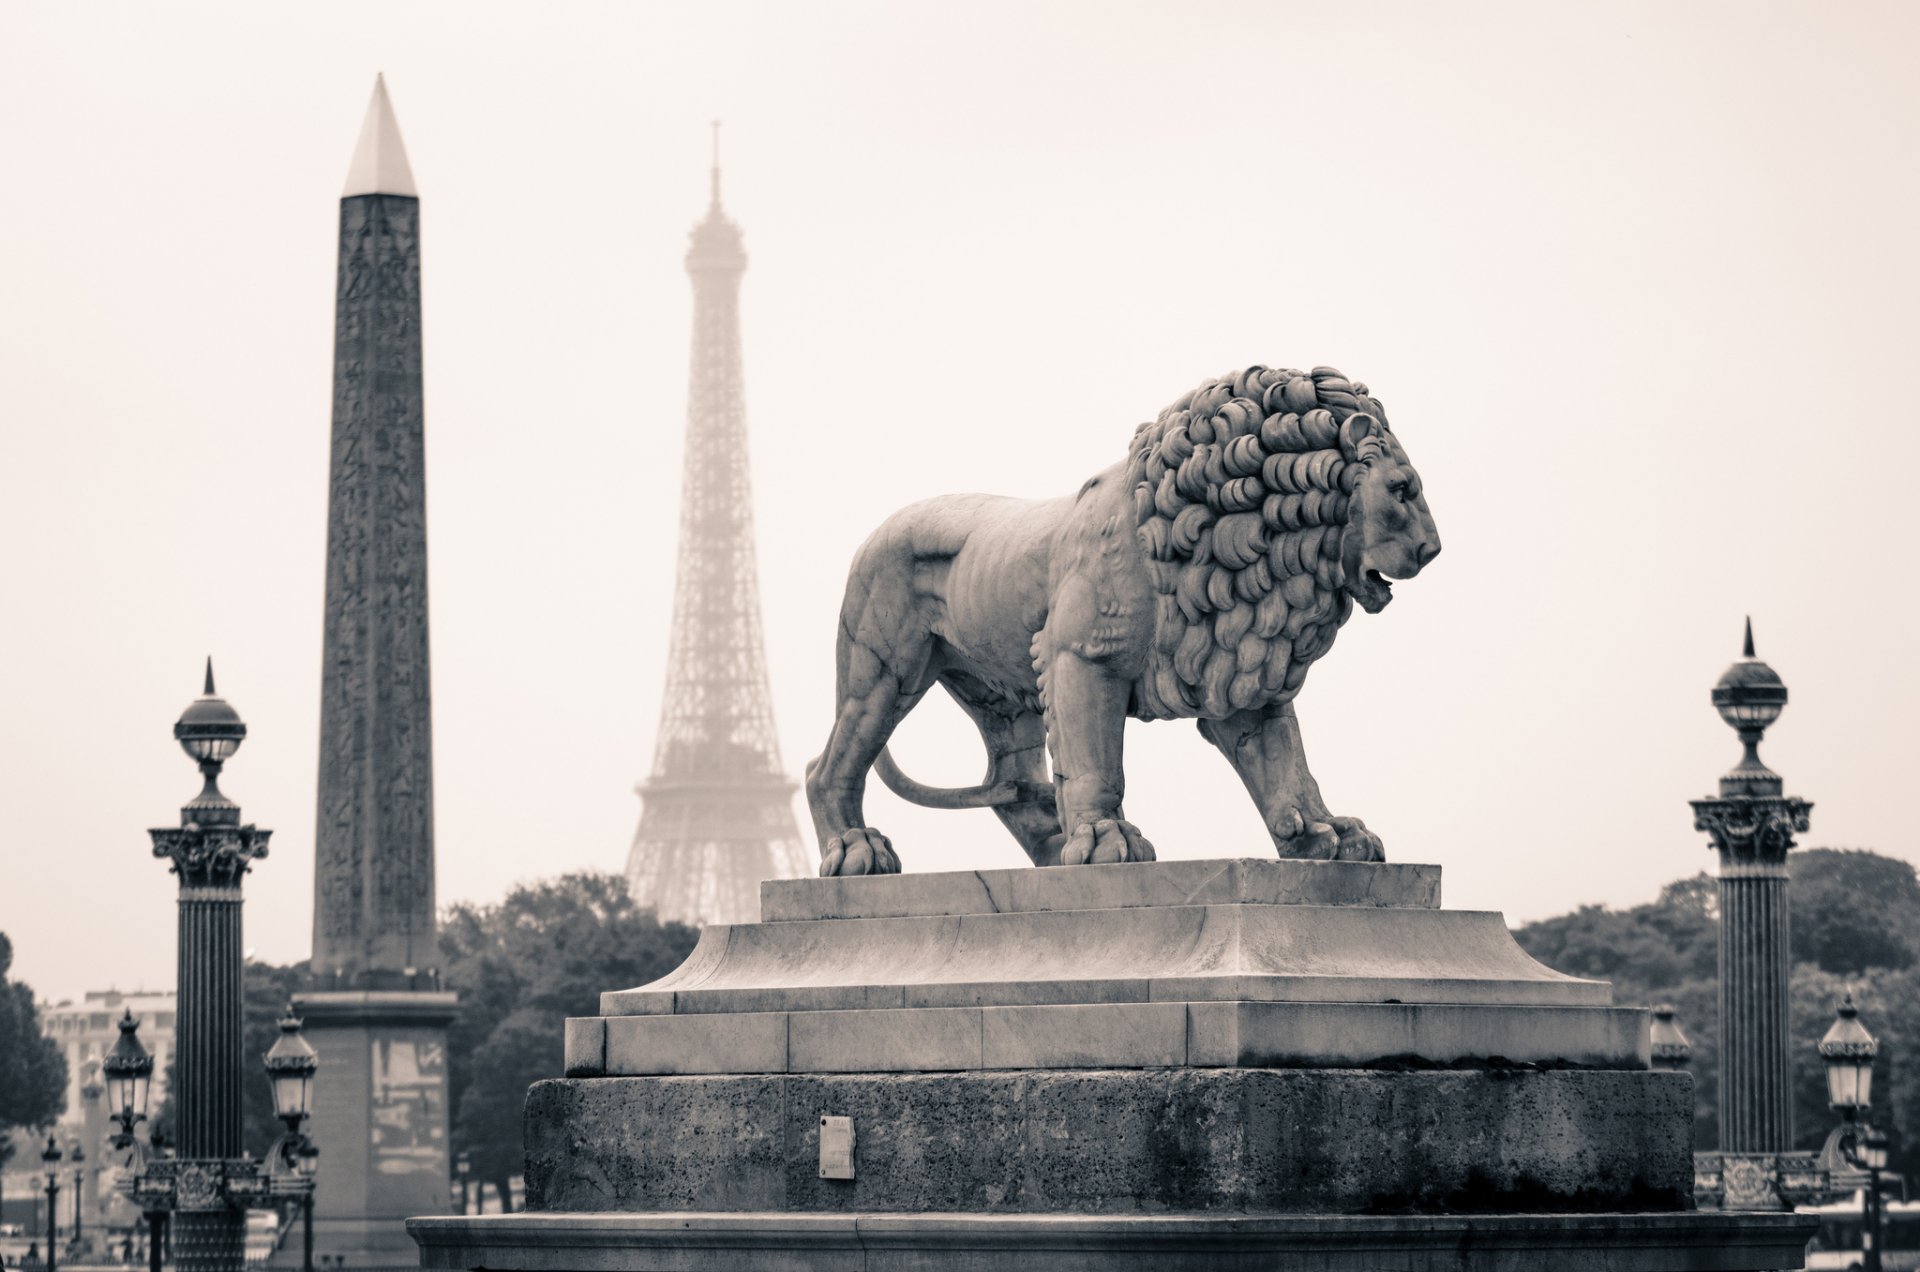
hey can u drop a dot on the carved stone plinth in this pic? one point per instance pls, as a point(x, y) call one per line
point(1246, 1063)
point(380, 1118)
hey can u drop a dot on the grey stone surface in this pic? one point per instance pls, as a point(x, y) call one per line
point(1197, 578)
point(373, 913)
point(383, 1064)
point(1219, 881)
point(1090, 1036)
point(1108, 1035)
point(752, 1042)
point(1164, 952)
point(933, 1039)
point(770, 1242)
point(1120, 1141)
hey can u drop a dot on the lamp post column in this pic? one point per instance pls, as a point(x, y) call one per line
point(1752, 825)
point(50, 1159)
point(53, 1227)
point(210, 851)
point(79, 1192)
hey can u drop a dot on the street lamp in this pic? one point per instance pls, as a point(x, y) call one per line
point(208, 1184)
point(50, 1159)
point(128, 1072)
point(1670, 1049)
point(1848, 1050)
point(290, 1066)
point(463, 1167)
point(79, 1157)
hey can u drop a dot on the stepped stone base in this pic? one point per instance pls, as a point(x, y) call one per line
point(1284, 1065)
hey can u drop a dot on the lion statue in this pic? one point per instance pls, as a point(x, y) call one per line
point(1200, 578)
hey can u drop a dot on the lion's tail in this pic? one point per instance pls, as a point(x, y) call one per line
point(987, 795)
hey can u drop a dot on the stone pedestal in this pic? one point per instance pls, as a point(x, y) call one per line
point(1195, 1064)
point(380, 1119)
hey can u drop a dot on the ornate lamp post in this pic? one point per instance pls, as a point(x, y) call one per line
point(50, 1159)
point(290, 1066)
point(209, 1183)
point(1848, 1050)
point(463, 1168)
point(79, 1158)
point(127, 1071)
point(1671, 1050)
point(1752, 825)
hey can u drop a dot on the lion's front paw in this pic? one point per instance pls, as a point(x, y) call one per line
point(1335, 839)
point(861, 850)
point(1106, 840)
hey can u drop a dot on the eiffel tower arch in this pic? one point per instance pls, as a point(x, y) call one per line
point(716, 814)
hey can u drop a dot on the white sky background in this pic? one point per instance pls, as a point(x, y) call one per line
point(1635, 283)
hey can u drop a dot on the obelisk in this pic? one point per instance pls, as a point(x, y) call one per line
point(376, 1014)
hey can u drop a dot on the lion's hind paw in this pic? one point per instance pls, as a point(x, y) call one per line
point(1108, 839)
point(858, 851)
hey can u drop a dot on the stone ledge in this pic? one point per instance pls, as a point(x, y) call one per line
point(1224, 881)
point(323, 1009)
point(775, 1242)
point(1109, 1036)
point(1166, 953)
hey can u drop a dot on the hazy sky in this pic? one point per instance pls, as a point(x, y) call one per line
point(1635, 283)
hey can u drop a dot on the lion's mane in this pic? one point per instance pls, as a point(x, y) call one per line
point(1241, 491)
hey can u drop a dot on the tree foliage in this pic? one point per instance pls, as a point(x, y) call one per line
point(522, 967)
point(33, 1068)
point(1855, 926)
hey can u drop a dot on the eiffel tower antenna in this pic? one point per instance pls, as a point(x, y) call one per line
point(716, 815)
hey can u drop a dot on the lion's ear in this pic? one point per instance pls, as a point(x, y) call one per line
point(1355, 434)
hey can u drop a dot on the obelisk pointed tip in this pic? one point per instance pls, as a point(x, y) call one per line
point(1747, 649)
point(209, 688)
point(380, 160)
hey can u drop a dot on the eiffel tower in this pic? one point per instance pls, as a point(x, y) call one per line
point(716, 816)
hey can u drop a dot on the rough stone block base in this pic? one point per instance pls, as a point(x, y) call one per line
point(1138, 1141)
point(1082, 1243)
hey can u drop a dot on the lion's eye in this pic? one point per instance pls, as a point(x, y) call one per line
point(1399, 490)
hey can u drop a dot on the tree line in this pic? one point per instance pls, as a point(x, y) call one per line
point(1854, 925)
point(549, 948)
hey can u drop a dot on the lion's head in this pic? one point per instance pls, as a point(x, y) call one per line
point(1390, 532)
point(1267, 502)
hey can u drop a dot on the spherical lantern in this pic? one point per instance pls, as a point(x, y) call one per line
point(209, 729)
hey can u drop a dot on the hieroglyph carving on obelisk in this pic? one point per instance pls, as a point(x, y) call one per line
point(373, 919)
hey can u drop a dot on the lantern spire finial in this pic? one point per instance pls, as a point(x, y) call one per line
point(1747, 650)
point(208, 691)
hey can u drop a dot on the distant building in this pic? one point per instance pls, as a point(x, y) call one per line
point(87, 1030)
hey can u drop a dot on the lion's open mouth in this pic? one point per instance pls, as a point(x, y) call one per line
point(1372, 591)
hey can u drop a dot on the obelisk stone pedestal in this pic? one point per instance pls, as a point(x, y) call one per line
point(380, 1115)
point(376, 1014)
point(1284, 1065)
